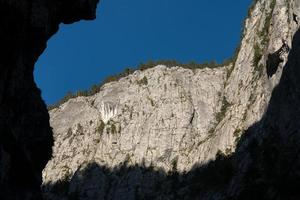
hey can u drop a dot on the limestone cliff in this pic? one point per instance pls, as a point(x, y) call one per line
point(173, 133)
point(25, 134)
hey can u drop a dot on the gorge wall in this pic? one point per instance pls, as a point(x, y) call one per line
point(26, 137)
point(230, 132)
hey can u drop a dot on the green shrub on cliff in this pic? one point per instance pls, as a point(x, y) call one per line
point(143, 66)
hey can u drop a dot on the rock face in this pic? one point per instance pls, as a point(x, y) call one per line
point(172, 133)
point(149, 117)
point(26, 137)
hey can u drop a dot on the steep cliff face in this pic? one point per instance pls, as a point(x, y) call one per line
point(175, 133)
point(267, 160)
point(26, 137)
point(149, 117)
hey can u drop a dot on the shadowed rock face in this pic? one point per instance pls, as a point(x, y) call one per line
point(25, 133)
point(267, 160)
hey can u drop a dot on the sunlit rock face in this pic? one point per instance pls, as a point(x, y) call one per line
point(174, 133)
point(107, 111)
point(25, 134)
point(152, 122)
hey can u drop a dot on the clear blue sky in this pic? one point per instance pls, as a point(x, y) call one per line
point(128, 32)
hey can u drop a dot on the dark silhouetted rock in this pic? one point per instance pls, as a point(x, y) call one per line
point(25, 134)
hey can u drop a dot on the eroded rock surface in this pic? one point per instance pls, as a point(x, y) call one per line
point(150, 122)
point(25, 134)
point(175, 133)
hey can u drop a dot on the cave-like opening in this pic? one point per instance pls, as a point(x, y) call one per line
point(128, 33)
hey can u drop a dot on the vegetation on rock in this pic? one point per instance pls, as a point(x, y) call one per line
point(143, 66)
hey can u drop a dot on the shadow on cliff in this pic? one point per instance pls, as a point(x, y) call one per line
point(266, 164)
point(140, 182)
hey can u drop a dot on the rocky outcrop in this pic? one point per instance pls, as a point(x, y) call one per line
point(173, 133)
point(267, 162)
point(26, 137)
point(149, 117)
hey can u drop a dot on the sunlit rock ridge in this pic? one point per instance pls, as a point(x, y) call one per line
point(160, 132)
